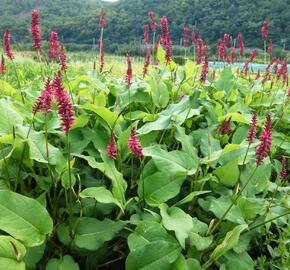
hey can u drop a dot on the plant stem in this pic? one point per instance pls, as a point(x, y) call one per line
point(18, 81)
point(232, 204)
point(69, 175)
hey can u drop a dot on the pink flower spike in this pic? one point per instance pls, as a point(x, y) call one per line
point(152, 21)
point(253, 128)
point(112, 148)
point(53, 44)
point(44, 102)
point(134, 144)
point(2, 65)
point(146, 34)
point(62, 58)
point(283, 172)
point(129, 74)
point(264, 147)
point(6, 42)
point(185, 37)
point(264, 30)
point(147, 61)
point(35, 29)
point(102, 18)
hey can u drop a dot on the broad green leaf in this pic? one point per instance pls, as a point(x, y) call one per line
point(200, 242)
point(107, 115)
point(175, 219)
point(159, 187)
point(11, 254)
point(10, 118)
point(6, 89)
point(90, 233)
point(235, 117)
point(159, 92)
point(250, 207)
point(225, 81)
point(220, 205)
point(189, 68)
point(193, 264)
point(228, 174)
point(230, 241)
point(151, 248)
point(65, 263)
point(190, 197)
point(100, 194)
point(241, 261)
point(24, 218)
point(33, 255)
point(179, 264)
point(81, 121)
point(176, 162)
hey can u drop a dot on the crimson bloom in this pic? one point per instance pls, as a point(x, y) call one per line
point(53, 44)
point(102, 58)
point(35, 29)
point(264, 30)
point(6, 42)
point(62, 58)
point(64, 104)
point(147, 61)
point(146, 34)
point(241, 44)
point(44, 102)
point(129, 74)
point(185, 37)
point(199, 50)
point(152, 21)
point(225, 127)
point(204, 69)
point(193, 38)
point(134, 144)
point(102, 18)
point(112, 148)
point(2, 65)
point(253, 128)
point(283, 172)
point(164, 30)
point(264, 147)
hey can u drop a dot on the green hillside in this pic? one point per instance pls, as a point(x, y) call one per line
point(77, 20)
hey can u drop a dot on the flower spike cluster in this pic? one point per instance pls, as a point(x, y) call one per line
point(129, 74)
point(6, 42)
point(241, 44)
point(263, 148)
point(193, 38)
point(134, 144)
point(64, 104)
point(152, 21)
point(199, 50)
point(253, 128)
point(102, 18)
point(62, 58)
point(165, 39)
point(35, 29)
point(44, 102)
point(225, 127)
point(264, 30)
point(147, 61)
point(283, 172)
point(53, 44)
point(185, 37)
point(112, 148)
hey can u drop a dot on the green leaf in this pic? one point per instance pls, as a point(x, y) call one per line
point(176, 162)
point(10, 118)
point(179, 264)
point(189, 68)
point(225, 81)
point(190, 197)
point(160, 94)
point(159, 187)
point(230, 241)
point(90, 233)
point(11, 254)
point(24, 218)
point(6, 89)
point(220, 205)
point(100, 194)
point(65, 263)
point(175, 219)
point(241, 261)
point(151, 248)
point(33, 255)
point(228, 173)
point(200, 242)
point(81, 121)
point(250, 207)
point(107, 115)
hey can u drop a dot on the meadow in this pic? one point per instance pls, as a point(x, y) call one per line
point(127, 163)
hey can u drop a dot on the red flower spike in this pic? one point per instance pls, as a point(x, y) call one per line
point(241, 44)
point(270, 47)
point(204, 70)
point(185, 37)
point(147, 61)
point(129, 74)
point(35, 29)
point(146, 34)
point(134, 144)
point(226, 38)
point(193, 38)
point(6, 42)
point(264, 30)
point(64, 104)
point(2, 65)
point(53, 44)
point(253, 128)
point(62, 58)
point(102, 58)
point(102, 18)
point(225, 127)
point(112, 148)
point(263, 148)
point(164, 31)
point(283, 172)
point(232, 54)
point(199, 50)
point(44, 102)
point(152, 21)
point(258, 75)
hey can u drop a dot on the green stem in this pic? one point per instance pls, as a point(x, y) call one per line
point(18, 81)
point(69, 174)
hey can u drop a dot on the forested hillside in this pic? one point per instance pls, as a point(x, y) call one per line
point(77, 20)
